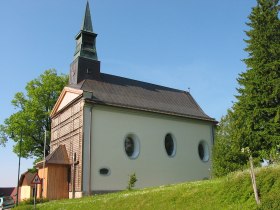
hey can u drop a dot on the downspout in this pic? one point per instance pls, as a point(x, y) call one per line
point(213, 142)
point(213, 135)
point(89, 150)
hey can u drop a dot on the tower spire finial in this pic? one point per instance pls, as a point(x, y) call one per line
point(87, 24)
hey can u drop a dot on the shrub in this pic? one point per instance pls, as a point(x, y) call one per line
point(131, 181)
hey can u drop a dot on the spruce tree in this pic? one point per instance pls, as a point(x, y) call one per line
point(254, 120)
point(256, 113)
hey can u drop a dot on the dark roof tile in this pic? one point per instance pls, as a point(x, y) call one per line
point(119, 91)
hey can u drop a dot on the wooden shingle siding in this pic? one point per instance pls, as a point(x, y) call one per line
point(67, 130)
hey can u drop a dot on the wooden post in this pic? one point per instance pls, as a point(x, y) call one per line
point(253, 178)
point(35, 194)
point(73, 180)
point(43, 181)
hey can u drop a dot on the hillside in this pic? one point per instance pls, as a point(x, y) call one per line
point(231, 192)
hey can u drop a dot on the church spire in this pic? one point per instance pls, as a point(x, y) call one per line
point(85, 64)
point(87, 24)
point(85, 40)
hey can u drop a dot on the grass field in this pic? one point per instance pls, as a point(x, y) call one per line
point(231, 192)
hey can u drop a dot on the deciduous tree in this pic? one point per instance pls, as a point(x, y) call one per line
point(32, 116)
point(227, 155)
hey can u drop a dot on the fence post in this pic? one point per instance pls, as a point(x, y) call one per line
point(253, 178)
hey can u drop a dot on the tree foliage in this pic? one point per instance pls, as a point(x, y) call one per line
point(227, 156)
point(257, 110)
point(254, 121)
point(32, 117)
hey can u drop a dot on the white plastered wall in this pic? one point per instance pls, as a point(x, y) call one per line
point(153, 166)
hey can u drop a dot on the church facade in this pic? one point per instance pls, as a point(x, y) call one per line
point(106, 127)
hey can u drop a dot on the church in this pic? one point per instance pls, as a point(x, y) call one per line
point(105, 128)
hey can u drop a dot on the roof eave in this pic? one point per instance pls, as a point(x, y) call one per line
point(212, 120)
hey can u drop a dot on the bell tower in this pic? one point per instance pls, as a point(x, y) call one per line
point(85, 64)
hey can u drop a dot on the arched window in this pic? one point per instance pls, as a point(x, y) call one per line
point(170, 145)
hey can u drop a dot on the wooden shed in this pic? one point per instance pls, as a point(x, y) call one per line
point(54, 173)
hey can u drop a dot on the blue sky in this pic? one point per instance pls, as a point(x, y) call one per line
point(180, 44)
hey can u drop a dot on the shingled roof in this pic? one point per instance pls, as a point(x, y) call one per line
point(58, 156)
point(118, 91)
point(26, 178)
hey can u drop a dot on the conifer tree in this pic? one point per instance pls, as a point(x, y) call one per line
point(256, 121)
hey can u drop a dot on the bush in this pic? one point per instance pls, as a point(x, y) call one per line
point(271, 201)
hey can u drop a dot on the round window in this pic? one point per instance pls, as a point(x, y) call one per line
point(169, 144)
point(203, 151)
point(131, 146)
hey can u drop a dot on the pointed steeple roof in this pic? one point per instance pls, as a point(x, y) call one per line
point(87, 24)
point(85, 64)
point(85, 39)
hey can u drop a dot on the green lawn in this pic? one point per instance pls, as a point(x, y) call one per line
point(231, 192)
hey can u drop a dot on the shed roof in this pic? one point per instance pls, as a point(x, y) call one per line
point(26, 179)
point(119, 91)
point(6, 191)
point(58, 156)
